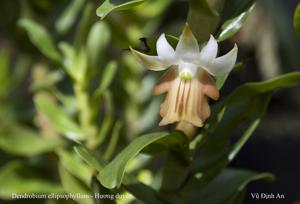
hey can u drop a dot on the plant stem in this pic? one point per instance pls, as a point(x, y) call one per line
point(85, 113)
point(176, 171)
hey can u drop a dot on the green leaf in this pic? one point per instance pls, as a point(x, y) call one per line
point(246, 104)
point(68, 16)
point(116, 5)
point(75, 166)
point(106, 79)
point(26, 142)
point(225, 187)
point(72, 185)
point(137, 163)
point(297, 20)
point(176, 140)
point(47, 81)
point(68, 54)
point(80, 65)
point(16, 178)
point(244, 138)
point(234, 8)
point(177, 161)
point(204, 17)
point(141, 191)
point(283, 81)
point(69, 102)
point(86, 156)
point(152, 9)
point(104, 129)
point(62, 122)
point(107, 76)
point(231, 26)
point(75, 61)
point(40, 37)
point(252, 115)
point(113, 141)
point(83, 27)
point(97, 188)
point(112, 174)
point(97, 40)
point(217, 135)
point(108, 103)
point(249, 89)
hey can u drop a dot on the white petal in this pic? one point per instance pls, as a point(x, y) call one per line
point(187, 47)
point(164, 50)
point(209, 51)
point(223, 65)
point(150, 62)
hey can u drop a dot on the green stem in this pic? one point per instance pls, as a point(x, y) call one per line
point(176, 171)
point(174, 168)
point(85, 113)
point(177, 166)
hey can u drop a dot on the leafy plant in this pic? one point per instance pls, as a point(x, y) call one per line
point(93, 120)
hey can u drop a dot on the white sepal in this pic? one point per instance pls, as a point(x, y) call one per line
point(187, 48)
point(224, 64)
point(209, 51)
point(150, 62)
point(165, 51)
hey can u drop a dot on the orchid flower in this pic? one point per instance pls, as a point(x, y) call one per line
point(188, 80)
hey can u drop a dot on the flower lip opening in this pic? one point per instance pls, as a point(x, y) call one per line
point(185, 75)
point(187, 70)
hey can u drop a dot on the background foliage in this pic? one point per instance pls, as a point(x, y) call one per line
point(77, 115)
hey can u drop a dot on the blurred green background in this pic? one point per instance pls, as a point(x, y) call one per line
point(267, 42)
